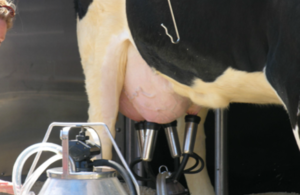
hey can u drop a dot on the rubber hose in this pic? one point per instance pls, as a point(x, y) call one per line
point(176, 163)
point(121, 171)
point(202, 164)
point(149, 170)
point(178, 173)
point(132, 164)
point(187, 171)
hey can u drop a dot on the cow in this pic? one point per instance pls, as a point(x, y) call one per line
point(228, 51)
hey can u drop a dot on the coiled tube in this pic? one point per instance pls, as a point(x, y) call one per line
point(32, 179)
point(18, 166)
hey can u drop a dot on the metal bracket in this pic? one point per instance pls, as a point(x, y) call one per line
point(175, 26)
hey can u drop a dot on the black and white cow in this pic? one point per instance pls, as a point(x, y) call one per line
point(230, 51)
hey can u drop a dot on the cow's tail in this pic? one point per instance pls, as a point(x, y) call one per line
point(291, 101)
point(295, 120)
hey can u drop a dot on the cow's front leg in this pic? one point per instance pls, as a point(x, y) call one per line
point(198, 183)
point(103, 51)
point(104, 82)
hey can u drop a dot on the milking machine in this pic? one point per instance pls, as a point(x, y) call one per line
point(79, 174)
point(84, 171)
point(167, 182)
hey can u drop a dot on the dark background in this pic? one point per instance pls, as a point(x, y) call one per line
point(41, 78)
point(41, 81)
point(262, 153)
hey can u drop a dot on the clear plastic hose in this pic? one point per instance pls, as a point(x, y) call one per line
point(18, 166)
point(32, 179)
point(37, 156)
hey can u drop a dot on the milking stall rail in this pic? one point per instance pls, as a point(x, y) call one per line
point(221, 184)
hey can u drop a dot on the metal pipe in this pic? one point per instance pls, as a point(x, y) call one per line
point(221, 187)
point(134, 144)
point(150, 140)
point(173, 139)
point(129, 140)
point(140, 132)
point(191, 126)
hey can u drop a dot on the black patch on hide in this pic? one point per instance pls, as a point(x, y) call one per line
point(81, 7)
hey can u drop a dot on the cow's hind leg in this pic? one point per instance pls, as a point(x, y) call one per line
point(198, 183)
point(283, 73)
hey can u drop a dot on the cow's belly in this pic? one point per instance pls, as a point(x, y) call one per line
point(152, 96)
point(149, 96)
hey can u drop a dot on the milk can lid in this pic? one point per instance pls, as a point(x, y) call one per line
point(99, 173)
